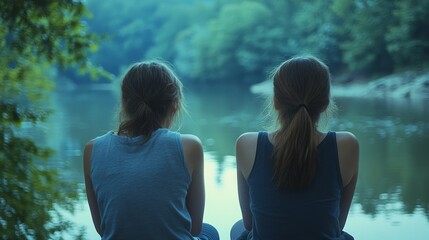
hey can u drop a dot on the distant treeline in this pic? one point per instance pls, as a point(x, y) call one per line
point(239, 41)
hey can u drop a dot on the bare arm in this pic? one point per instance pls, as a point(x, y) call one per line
point(92, 201)
point(244, 199)
point(195, 199)
point(245, 155)
point(346, 200)
point(348, 153)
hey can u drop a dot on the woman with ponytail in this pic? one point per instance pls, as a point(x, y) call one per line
point(145, 181)
point(296, 182)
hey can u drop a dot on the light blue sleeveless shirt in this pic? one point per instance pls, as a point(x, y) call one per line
point(141, 187)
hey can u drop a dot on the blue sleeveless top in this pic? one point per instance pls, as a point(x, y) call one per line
point(309, 214)
point(141, 187)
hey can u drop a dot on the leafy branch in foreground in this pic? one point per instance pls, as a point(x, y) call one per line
point(36, 37)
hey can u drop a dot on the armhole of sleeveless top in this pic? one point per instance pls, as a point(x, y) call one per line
point(184, 164)
point(337, 162)
point(257, 152)
point(91, 158)
point(95, 143)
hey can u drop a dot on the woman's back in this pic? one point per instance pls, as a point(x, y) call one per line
point(141, 187)
point(147, 182)
point(312, 213)
point(296, 182)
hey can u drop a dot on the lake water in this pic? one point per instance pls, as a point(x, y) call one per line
point(392, 195)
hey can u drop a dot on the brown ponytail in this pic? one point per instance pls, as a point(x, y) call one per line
point(301, 93)
point(151, 95)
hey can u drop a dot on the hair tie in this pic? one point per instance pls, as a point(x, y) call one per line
point(302, 105)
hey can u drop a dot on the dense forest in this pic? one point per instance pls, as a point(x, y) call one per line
point(239, 41)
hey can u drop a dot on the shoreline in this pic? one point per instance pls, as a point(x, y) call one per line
point(408, 84)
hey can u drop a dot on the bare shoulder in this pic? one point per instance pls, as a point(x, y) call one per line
point(88, 151)
point(192, 151)
point(246, 145)
point(348, 154)
point(190, 140)
point(246, 139)
point(347, 138)
point(88, 147)
point(246, 151)
point(191, 145)
point(347, 142)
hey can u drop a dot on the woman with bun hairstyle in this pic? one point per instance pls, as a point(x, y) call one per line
point(145, 181)
point(296, 182)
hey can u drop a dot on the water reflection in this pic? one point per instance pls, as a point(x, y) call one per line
point(394, 134)
point(218, 115)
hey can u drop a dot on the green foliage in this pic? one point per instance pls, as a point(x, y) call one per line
point(238, 41)
point(225, 49)
point(31, 192)
point(365, 25)
point(318, 32)
point(35, 37)
point(130, 34)
point(383, 36)
point(408, 37)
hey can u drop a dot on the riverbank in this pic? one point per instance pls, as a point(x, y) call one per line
point(409, 84)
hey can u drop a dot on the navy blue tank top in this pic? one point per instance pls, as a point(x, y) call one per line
point(309, 214)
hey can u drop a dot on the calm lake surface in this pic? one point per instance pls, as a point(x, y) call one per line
point(392, 195)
